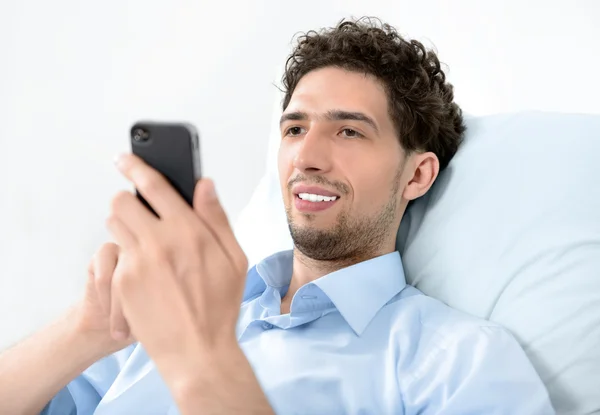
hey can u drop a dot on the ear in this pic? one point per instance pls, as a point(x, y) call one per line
point(425, 168)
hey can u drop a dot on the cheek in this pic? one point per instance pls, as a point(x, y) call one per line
point(373, 183)
point(369, 189)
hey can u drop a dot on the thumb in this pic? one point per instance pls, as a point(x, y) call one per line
point(212, 214)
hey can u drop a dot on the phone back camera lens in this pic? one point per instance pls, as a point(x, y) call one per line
point(140, 134)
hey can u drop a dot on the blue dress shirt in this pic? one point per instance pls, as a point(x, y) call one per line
point(357, 341)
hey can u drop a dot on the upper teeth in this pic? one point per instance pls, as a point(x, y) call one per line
point(316, 198)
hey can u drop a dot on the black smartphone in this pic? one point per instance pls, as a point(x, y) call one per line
point(173, 149)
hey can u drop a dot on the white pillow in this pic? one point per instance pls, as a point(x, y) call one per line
point(510, 232)
point(261, 227)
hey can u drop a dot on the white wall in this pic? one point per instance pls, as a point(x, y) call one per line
point(74, 75)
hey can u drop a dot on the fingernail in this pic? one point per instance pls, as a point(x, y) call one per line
point(209, 190)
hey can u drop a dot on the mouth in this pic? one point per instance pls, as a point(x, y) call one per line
point(313, 199)
point(316, 198)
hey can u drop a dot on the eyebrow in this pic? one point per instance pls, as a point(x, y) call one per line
point(332, 115)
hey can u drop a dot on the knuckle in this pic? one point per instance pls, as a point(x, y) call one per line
point(109, 248)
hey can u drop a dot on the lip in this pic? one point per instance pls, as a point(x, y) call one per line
point(313, 190)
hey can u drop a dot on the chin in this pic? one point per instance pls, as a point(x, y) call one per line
point(314, 218)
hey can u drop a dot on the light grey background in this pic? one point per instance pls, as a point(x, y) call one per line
point(75, 75)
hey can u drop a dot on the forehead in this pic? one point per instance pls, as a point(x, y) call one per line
point(327, 89)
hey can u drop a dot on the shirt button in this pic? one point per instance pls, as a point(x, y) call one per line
point(267, 326)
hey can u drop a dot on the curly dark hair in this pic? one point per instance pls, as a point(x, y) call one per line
point(420, 100)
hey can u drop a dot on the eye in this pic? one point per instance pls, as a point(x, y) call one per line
point(350, 133)
point(294, 131)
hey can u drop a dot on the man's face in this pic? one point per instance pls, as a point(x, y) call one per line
point(341, 166)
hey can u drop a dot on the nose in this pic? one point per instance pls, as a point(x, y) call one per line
point(314, 153)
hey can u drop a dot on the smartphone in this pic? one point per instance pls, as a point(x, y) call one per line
point(173, 149)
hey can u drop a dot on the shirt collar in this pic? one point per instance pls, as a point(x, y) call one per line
point(358, 292)
point(361, 290)
point(275, 271)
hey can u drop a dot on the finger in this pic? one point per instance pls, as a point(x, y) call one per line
point(119, 329)
point(105, 262)
point(121, 233)
point(209, 209)
point(153, 186)
point(128, 209)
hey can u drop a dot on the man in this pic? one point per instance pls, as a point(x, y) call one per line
point(330, 328)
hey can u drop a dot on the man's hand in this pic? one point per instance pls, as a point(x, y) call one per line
point(34, 371)
point(180, 280)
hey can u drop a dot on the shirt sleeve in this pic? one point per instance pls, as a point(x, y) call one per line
point(82, 395)
point(481, 371)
